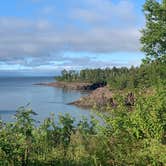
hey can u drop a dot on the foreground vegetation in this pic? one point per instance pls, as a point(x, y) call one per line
point(130, 136)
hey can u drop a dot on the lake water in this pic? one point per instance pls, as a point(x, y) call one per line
point(16, 92)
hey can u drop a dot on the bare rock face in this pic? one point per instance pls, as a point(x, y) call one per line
point(100, 97)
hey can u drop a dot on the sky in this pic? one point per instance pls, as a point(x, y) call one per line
point(42, 37)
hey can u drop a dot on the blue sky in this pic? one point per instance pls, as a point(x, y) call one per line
point(43, 36)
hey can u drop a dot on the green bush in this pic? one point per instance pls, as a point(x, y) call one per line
point(133, 136)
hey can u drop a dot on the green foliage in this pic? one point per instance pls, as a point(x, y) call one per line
point(145, 76)
point(154, 34)
point(23, 143)
point(134, 135)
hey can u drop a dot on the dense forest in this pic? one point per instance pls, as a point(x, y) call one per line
point(128, 136)
point(147, 75)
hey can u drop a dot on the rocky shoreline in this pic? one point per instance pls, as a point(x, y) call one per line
point(99, 93)
point(100, 97)
point(74, 85)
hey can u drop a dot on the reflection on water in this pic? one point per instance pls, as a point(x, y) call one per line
point(16, 92)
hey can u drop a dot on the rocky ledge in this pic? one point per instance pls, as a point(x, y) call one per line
point(99, 97)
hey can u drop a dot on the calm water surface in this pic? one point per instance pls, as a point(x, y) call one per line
point(16, 92)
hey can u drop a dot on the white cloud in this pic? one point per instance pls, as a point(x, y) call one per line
point(105, 27)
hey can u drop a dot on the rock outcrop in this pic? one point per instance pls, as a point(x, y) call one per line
point(99, 97)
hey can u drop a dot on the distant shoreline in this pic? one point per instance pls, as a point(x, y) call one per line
point(99, 93)
point(72, 85)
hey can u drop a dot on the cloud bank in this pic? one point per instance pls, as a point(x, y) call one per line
point(98, 26)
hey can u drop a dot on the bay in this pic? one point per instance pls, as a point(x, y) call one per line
point(44, 100)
